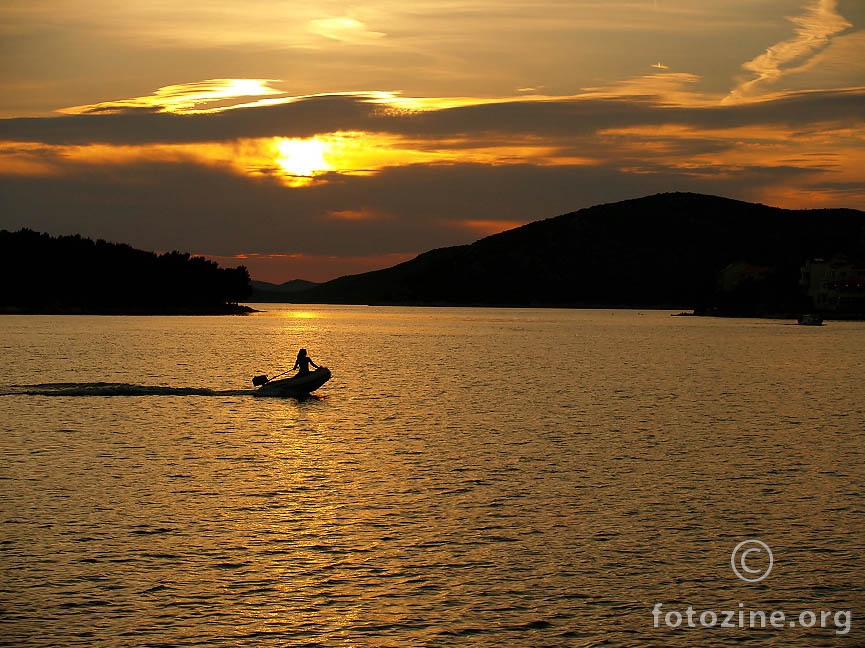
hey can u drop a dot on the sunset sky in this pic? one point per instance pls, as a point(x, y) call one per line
point(316, 139)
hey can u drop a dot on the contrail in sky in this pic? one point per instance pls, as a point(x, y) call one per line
point(813, 32)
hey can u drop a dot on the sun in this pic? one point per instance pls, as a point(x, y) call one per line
point(302, 158)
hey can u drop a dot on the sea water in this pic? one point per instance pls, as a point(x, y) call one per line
point(469, 477)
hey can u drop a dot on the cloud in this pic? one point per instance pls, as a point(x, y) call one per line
point(182, 98)
point(814, 29)
point(671, 89)
point(637, 134)
point(318, 140)
point(358, 215)
point(654, 100)
point(834, 66)
point(201, 167)
point(344, 29)
point(60, 53)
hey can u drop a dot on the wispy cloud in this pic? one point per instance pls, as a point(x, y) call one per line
point(813, 32)
point(670, 88)
point(182, 98)
point(85, 51)
point(345, 29)
point(358, 215)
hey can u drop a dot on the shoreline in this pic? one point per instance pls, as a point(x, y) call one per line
point(242, 309)
point(228, 309)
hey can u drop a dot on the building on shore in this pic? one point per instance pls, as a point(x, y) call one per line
point(835, 286)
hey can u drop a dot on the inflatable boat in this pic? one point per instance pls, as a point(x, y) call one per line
point(294, 386)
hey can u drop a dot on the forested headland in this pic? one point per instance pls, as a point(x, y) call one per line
point(73, 274)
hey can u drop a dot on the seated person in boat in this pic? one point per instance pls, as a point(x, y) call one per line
point(303, 362)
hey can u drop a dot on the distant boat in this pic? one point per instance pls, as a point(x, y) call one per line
point(811, 319)
point(294, 386)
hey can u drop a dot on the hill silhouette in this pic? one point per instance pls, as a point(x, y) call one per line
point(667, 250)
point(71, 274)
point(265, 291)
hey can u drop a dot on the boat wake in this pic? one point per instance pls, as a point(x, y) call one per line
point(115, 389)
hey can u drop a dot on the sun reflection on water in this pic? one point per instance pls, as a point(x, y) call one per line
point(300, 314)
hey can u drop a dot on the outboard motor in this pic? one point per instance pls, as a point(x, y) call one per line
point(260, 380)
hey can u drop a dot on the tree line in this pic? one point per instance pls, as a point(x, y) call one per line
point(69, 274)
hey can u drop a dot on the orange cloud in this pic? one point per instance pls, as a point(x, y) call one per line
point(279, 268)
point(488, 227)
point(358, 215)
point(295, 162)
point(672, 88)
point(651, 125)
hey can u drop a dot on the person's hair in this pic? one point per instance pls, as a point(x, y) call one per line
point(301, 353)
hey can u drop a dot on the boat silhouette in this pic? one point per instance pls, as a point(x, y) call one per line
point(299, 385)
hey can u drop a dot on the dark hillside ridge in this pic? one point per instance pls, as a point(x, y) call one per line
point(667, 250)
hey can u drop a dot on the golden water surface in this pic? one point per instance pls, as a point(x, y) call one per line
point(469, 477)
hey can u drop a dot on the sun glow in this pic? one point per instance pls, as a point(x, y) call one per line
point(329, 157)
point(302, 159)
point(294, 162)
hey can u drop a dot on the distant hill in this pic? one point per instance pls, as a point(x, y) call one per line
point(71, 274)
point(264, 291)
point(669, 250)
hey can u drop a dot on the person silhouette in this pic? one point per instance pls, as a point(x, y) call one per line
point(302, 363)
